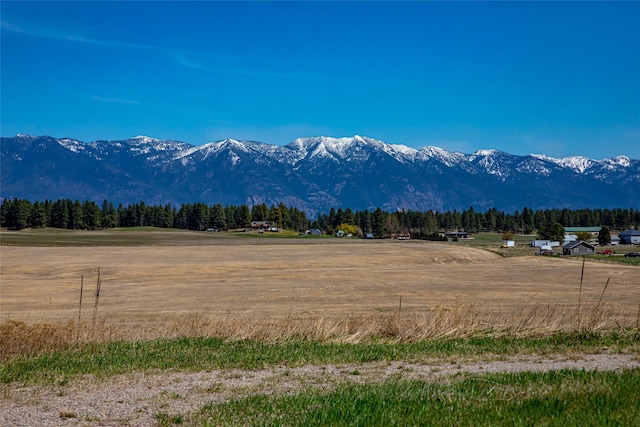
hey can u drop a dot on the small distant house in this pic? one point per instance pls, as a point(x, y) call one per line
point(615, 240)
point(400, 236)
point(260, 225)
point(570, 238)
point(314, 232)
point(578, 248)
point(629, 237)
point(508, 243)
point(456, 235)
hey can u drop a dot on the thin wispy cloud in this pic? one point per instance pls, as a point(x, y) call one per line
point(180, 57)
point(49, 33)
point(184, 58)
point(115, 100)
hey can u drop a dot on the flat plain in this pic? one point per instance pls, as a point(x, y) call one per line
point(151, 278)
point(309, 320)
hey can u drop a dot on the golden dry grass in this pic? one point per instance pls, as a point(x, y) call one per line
point(315, 289)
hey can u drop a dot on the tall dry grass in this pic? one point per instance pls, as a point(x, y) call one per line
point(464, 320)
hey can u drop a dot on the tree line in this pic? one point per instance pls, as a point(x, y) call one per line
point(428, 224)
point(88, 215)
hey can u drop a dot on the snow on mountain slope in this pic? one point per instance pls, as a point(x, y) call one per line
point(578, 164)
point(73, 145)
point(345, 149)
point(353, 149)
point(449, 158)
point(317, 173)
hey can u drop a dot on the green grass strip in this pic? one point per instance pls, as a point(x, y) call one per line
point(560, 398)
point(194, 354)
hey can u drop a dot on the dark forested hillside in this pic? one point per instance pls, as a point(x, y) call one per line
point(310, 174)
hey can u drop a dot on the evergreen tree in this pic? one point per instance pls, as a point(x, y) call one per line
point(260, 212)
point(286, 217)
point(349, 217)
point(364, 221)
point(108, 215)
point(275, 216)
point(91, 215)
point(38, 216)
point(528, 220)
point(4, 212)
point(430, 223)
point(377, 224)
point(218, 218)
point(75, 216)
point(469, 220)
point(332, 219)
point(490, 219)
point(539, 220)
point(197, 216)
point(18, 214)
point(245, 216)
point(604, 236)
point(180, 218)
point(566, 219)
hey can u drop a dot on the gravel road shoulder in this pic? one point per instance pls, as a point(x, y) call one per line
point(136, 398)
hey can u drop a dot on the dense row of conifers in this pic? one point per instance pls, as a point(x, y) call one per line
point(88, 215)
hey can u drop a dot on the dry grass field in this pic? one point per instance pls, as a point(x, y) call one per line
point(174, 284)
point(165, 284)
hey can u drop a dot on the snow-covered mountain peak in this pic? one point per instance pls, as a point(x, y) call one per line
point(356, 147)
point(339, 146)
point(447, 157)
point(229, 142)
point(24, 136)
point(322, 146)
point(145, 139)
point(486, 153)
point(622, 161)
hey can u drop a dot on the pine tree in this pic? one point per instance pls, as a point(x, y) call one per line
point(377, 223)
point(38, 216)
point(604, 236)
point(18, 214)
point(245, 215)
point(75, 216)
point(218, 218)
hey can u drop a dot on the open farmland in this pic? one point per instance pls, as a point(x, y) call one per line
point(163, 276)
point(300, 330)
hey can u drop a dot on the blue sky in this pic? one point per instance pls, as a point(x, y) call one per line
point(559, 78)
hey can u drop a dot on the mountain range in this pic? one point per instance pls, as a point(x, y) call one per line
point(312, 174)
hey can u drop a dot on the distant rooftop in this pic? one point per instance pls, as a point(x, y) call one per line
point(581, 229)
